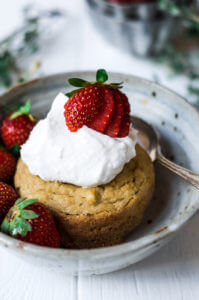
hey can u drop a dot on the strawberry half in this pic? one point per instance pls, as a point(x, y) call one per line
point(125, 125)
point(7, 165)
point(8, 196)
point(102, 119)
point(114, 126)
point(16, 127)
point(83, 106)
point(98, 105)
point(31, 221)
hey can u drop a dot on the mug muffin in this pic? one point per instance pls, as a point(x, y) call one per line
point(97, 216)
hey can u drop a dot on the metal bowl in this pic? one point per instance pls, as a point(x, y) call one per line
point(175, 200)
point(140, 29)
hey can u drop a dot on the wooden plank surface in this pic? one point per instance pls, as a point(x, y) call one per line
point(173, 272)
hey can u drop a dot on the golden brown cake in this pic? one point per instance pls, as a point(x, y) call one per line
point(98, 216)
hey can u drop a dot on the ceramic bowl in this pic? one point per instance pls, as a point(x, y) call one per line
point(175, 200)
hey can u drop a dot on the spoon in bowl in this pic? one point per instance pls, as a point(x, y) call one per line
point(148, 138)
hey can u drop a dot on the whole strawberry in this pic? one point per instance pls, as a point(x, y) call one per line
point(100, 106)
point(31, 221)
point(17, 126)
point(7, 165)
point(8, 196)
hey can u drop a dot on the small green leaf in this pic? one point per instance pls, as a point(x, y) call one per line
point(19, 226)
point(24, 109)
point(116, 85)
point(5, 226)
point(77, 82)
point(28, 214)
point(15, 150)
point(26, 227)
point(15, 115)
point(72, 93)
point(101, 75)
point(26, 203)
point(20, 200)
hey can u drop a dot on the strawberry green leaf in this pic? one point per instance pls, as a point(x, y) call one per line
point(19, 226)
point(28, 214)
point(26, 203)
point(5, 227)
point(77, 82)
point(19, 200)
point(116, 85)
point(72, 93)
point(101, 75)
point(15, 115)
point(15, 150)
point(24, 109)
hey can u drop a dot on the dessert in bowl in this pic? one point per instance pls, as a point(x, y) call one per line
point(175, 201)
point(90, 173)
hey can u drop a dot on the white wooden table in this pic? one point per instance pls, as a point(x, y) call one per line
point(173, 272)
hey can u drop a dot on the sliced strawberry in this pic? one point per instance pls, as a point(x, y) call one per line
point(125, 126)
point(98, 105)
point(113, 128)
point(83, 106)
point(102, 119)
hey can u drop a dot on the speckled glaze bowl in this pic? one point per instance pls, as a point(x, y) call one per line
point(175, 200)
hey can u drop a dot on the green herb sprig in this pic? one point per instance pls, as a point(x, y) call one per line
point(181, 62)
point(27, 39)
point(186, 12)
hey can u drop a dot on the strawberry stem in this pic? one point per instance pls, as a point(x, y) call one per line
point(101, 78)
point(101, 75)
point(16, 220)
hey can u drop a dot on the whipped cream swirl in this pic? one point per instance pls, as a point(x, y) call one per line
point(86, 158)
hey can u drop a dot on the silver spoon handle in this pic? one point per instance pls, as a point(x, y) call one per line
point(188, 175)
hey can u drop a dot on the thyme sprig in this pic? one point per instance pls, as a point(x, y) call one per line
point(22, 43)
point(186, 12)
point(183, 62)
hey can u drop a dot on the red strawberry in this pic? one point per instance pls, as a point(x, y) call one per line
point(82, 107)
point(17, 126)
point(101, 120)
point(31, 221)
point(114, 126)
point(8, 196)
point(124, 129)
point(7, 165)
point(106, 110)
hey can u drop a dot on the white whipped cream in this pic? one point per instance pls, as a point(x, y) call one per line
point(85, 158)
